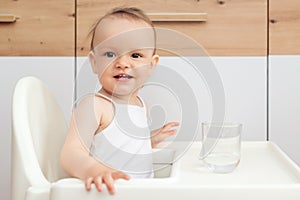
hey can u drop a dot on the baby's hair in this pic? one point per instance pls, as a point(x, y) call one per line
point(124, 12)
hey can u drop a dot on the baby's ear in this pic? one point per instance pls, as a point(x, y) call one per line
point(93, 61)
point(154, 61)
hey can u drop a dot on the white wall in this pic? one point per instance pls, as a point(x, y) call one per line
point(244, 80)
point(284, 110)
point(56, 72)
point(245, 85)
point(245, 99)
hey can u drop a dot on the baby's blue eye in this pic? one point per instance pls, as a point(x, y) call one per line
point(109, 54)
point(136, 55)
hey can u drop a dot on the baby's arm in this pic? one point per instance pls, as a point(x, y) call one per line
point(159, 135)
point(77, 162)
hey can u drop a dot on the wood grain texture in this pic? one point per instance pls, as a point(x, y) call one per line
point(177, 17)
point(45, 28)
point(234, 27)
point(284, 34)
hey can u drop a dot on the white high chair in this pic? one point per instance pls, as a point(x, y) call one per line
point(38, 132)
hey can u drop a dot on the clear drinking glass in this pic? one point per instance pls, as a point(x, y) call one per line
point(221, 146)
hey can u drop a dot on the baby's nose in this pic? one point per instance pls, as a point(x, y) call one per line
point(122, 62)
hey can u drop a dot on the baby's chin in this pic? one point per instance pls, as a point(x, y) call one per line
point(124, 93)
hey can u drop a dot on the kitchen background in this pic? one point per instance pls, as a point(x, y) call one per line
point(255, 46)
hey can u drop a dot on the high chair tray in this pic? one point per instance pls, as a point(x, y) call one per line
point(265, 172)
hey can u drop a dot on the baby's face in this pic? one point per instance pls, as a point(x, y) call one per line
point(123, 57)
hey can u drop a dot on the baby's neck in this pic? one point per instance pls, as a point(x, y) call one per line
point(131, 99)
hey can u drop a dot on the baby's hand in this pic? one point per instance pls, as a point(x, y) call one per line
point(159, 135)
point(108, 178)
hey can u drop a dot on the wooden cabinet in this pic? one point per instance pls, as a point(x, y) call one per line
point(233, 28)
point(284, 31)
point(45, 28)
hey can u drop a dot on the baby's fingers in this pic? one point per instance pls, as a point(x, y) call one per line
point(120, 175)
point(169, 132)
point(88, 182)
point(170, 125)
point(98, 183)
point(109, 181)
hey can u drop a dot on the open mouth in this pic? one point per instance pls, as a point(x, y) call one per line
point(123, 76)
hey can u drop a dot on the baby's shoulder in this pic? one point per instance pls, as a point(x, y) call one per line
point(102, 101)
point(93, 103)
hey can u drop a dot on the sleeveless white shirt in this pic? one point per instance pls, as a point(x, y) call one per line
point(125, 144)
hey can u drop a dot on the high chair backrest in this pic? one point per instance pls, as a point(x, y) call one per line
point(39, 130)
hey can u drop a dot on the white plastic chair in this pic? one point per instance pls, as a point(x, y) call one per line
point(39, 130)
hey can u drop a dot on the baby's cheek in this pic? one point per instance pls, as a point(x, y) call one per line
point(104, 70)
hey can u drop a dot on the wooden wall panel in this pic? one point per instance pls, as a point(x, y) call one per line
point(234, 27)
point(45, 28)
point(284, 29)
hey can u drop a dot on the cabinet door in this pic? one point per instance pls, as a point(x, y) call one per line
point(44, 28)
point(233, 28)
point(284, 27)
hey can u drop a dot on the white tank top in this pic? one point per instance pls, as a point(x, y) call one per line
point(125, 144)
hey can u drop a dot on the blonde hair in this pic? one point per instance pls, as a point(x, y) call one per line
point(124, 12)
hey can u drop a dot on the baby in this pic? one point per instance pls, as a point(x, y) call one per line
point(109, 137)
